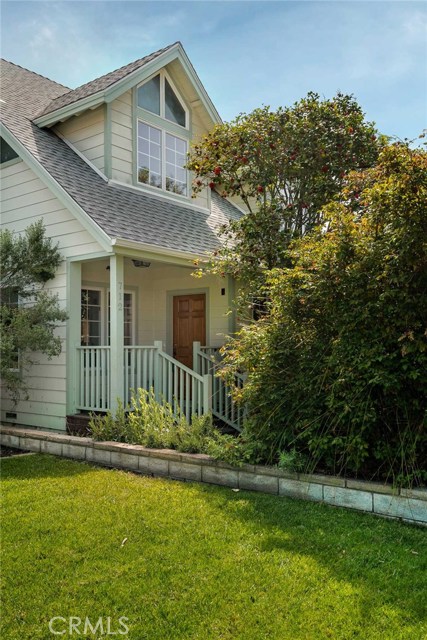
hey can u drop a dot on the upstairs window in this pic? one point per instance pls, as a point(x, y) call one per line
point(161, 159)
point(157, 96)
point(162, 136)
point(6, 152)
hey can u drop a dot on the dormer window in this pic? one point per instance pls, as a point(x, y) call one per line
point(162, 136)
point(157, 96)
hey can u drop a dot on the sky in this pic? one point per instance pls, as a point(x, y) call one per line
point(246, 53)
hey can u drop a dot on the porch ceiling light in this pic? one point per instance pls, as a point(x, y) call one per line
point(143, 264)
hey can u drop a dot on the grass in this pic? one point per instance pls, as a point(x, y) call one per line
point(199, 562)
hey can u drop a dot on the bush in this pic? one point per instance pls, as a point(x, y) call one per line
point(156, 425)
point(337, 370)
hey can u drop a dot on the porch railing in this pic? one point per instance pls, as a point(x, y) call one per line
point(145, 367)
point(93, 386)
point(207, 360)
point(182, 387)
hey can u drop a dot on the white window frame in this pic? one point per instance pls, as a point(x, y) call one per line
point(165, 126)
point(165, 76)
point(102, 313)
point(163, 133)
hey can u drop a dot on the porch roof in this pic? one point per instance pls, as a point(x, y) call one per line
point(117, 212)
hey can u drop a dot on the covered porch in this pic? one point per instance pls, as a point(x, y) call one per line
point(139, 322)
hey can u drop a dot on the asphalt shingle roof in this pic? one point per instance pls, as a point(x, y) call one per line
point(100, 84)
point(120, 213)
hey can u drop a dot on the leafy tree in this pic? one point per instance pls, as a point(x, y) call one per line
point(338, 369)
point(284, 165)
point(28, 314)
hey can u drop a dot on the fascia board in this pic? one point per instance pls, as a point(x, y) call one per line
point(90, 225)
point(139, 75)
point(125, 84)
point(106, 95)
point(124, 246)
point(73, 109)
point(198, 86)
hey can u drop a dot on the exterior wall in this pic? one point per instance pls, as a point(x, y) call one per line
point(86, 133)
point(122, 139)
point(24, 200)
point(154, 288)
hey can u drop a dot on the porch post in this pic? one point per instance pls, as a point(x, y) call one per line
point(196, 349)
point(117, 359)
point(74, 285)
point(207, 393)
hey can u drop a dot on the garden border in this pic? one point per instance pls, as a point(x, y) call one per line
point(409, 505)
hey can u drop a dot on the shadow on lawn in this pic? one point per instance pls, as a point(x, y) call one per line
point(386, 560)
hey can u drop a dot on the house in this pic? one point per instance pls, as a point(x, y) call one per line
point(103, 166)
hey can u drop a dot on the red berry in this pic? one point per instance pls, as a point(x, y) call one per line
point(212, 185)
point(217, 171)
point(260, 189)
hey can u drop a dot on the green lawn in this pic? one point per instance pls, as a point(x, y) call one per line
point(199, 561)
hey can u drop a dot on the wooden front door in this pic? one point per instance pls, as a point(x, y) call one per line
point(189, 325)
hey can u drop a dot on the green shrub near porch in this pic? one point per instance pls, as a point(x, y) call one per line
point(337, 370)
point(158, 425)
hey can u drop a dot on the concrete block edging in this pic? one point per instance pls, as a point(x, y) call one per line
point(409, 505)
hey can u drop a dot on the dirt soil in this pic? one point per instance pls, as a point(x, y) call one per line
point(6, 452)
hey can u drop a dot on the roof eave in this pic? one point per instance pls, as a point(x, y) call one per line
point(121, 86)
point(155, 252)
point(63, 196)
point(74, 109)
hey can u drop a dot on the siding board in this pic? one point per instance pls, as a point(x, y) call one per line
point(86, 133)
point(46, 380)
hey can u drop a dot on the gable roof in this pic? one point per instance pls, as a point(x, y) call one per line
point(102, 83)
point(118, 213)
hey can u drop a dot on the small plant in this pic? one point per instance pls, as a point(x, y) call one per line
point(292, 460)
point(158, 425)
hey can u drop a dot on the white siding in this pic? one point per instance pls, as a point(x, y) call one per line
point(86, 133)
point(122, 138)
point(24, 200)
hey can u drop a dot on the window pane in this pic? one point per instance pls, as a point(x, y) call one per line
point(7, 153)
point(91, 317)
point(149, 155)
point(143, 130)
point(155, 135)
point(176, 174)
point(154, 150)
point(181, 146)
point(149, 95)
point(173, 108)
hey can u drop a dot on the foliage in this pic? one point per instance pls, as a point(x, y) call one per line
point(292, 460)
point(185, 560)
point(338, 369)
point(156, 425)
point(285, 165)
point(27, 263)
